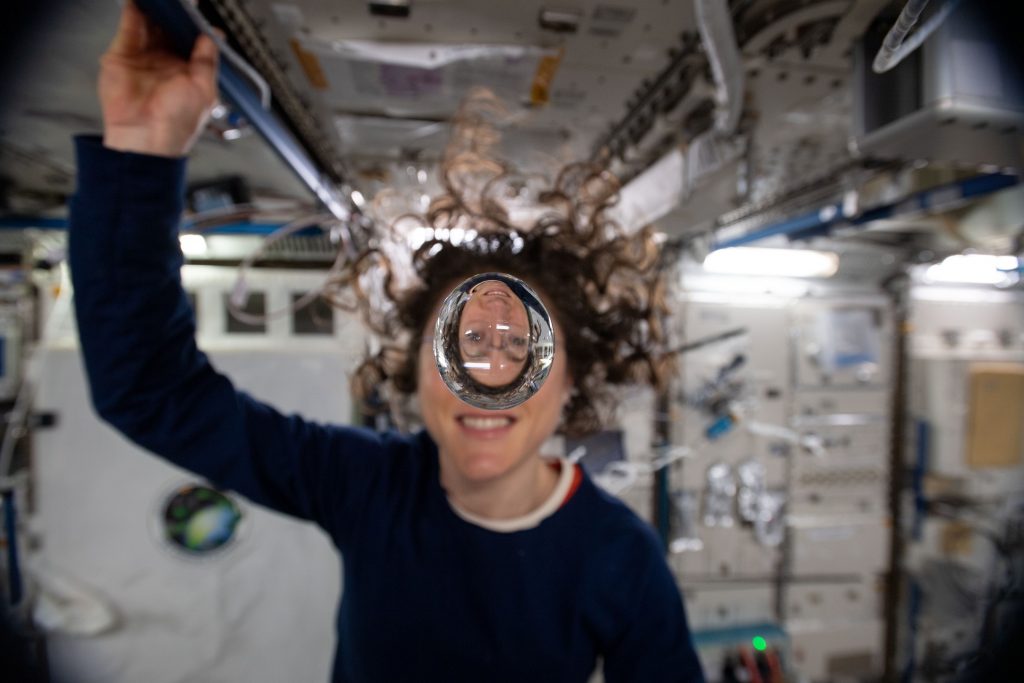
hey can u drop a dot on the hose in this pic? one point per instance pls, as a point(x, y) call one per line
point(240, 291)
point(250, 73)
point(895, 46)
point(716, 31)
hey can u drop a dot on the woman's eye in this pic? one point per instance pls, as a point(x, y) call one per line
point(518, 348)
point(473, 344)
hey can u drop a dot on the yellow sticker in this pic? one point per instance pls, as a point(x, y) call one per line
point(540, 91)
point(311, 65)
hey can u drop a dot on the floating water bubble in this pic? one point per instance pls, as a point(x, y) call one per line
point(493, 342)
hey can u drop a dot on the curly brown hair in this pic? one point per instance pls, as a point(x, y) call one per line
point(603, 285)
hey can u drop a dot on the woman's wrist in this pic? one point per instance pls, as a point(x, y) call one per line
point(146, 140)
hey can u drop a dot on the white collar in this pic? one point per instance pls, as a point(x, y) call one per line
point(530, 519)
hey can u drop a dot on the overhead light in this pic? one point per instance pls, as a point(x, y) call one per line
point(785, 287)
point(975, 269)
point(358, 199)
point(192, 245)
point(774, 262)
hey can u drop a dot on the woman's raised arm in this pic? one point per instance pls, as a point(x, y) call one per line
point(146, 375)
point(153, 101)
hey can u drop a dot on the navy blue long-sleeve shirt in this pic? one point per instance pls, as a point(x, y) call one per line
point(428, 596)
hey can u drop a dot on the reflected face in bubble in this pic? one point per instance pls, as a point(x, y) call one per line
point(493, 341)
point(477, 444)
point(494, 334)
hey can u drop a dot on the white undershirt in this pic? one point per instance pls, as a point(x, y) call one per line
point(530, 519)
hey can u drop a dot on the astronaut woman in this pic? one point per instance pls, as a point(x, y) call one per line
point(467, 557)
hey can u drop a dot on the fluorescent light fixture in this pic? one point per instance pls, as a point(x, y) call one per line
point(714, 285)
point(773, 262)
point(192, 245)
point(975, 269)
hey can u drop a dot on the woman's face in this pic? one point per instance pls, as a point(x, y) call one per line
point(478, 444)
point(494, 334)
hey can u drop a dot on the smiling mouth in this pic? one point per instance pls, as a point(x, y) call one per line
point(485, 424)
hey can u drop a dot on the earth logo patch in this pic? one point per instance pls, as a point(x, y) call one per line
point(200, 520)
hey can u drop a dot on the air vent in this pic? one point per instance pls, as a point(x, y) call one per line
point(307, 248)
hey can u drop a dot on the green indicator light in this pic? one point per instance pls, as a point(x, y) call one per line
point(759, 643)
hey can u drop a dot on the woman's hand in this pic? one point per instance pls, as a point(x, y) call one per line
point(153, 101)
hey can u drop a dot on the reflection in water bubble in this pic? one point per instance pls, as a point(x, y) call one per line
point(493, 342)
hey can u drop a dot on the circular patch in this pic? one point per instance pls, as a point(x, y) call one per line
point(199, 520)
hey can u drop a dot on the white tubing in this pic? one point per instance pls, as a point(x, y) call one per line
point(254, 77)
point(716, 31)
point(896, 46)
point(623, 474)
point(240, 291)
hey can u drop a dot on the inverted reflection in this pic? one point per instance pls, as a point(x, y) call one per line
point(494, 334)
point(493, 342)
